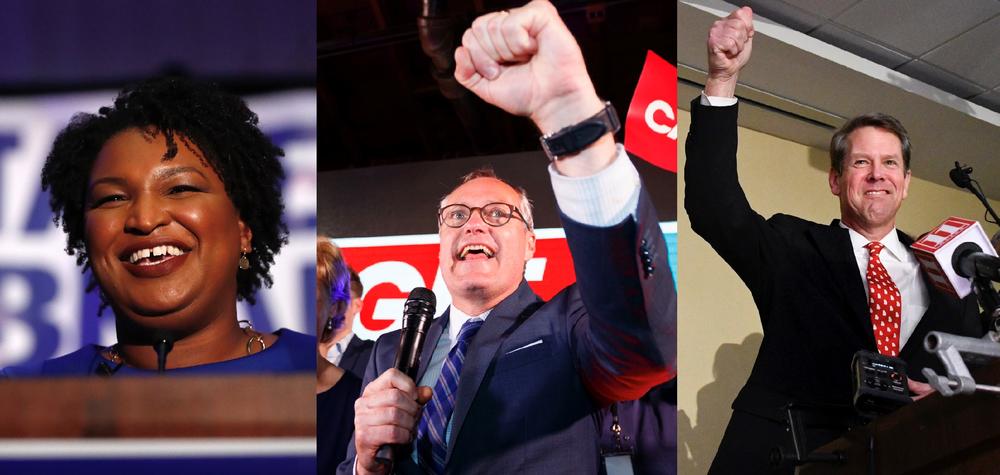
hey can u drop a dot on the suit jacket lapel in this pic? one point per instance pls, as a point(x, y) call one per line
point(834, 245)
point(482, 353)
point(350, 353)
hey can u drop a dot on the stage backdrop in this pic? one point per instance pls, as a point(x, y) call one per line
point(391, 266)
point(385, 219)
point(44, 311)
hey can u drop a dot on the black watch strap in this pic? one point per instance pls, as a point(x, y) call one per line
point(574, 138)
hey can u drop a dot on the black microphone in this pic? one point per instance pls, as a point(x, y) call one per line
point(960, 176)
point(418, 312)
point(970, 261)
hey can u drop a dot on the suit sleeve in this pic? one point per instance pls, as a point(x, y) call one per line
point(372, 371)
point(625, 336)
point(717, 206)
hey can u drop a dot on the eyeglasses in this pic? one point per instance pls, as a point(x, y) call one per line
point(493, 214)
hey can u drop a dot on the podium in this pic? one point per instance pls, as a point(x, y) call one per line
point(958, 434)
point(223, 424)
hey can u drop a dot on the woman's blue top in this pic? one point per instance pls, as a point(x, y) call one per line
point(291, 352)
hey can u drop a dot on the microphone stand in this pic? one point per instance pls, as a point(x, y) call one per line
point(961, 177)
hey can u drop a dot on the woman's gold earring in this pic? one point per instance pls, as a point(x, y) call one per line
point(244, 261)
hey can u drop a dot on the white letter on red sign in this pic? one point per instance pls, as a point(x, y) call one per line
point(659, 105)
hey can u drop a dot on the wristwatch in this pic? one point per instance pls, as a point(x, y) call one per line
point(574, 138)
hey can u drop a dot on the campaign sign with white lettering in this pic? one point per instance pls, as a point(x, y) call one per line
point(44, 310)
point(651, 124)
point(391, 266)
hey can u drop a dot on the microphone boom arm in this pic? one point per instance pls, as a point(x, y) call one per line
point(950, 349)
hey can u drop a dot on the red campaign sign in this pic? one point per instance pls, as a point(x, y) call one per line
point(651, 124)
point(390, 267)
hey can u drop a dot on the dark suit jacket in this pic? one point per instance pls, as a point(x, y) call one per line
point(650, 426)
point(356, 355)
point(609, 336)
point(804, 280)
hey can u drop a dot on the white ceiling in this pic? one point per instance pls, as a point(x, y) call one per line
point(953, 45)
point(933, 64)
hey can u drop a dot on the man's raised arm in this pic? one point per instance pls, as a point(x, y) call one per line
point(526, 62)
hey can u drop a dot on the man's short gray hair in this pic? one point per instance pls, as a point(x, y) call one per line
point(487, 172)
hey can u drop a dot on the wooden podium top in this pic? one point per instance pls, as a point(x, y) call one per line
point(958, 434)
point(189, 406)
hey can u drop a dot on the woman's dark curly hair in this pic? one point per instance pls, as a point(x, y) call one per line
point(217, 123)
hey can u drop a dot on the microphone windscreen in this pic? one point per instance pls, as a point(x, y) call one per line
point(423, 293)
point(935, 250)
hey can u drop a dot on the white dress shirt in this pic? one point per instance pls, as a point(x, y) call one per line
point(904, 270)
point(603, 199)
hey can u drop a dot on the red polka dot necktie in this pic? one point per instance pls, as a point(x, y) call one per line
point(884, 303)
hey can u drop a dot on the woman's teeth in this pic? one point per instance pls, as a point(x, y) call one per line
point(152, 252)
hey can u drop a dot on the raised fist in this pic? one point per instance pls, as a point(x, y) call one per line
point(730, 41)
point(526, 62)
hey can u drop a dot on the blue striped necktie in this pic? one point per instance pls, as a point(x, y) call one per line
point(432, 446)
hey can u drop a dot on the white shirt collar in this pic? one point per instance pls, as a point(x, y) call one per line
point(457, 318)
point(890, 241)
point(343, 342)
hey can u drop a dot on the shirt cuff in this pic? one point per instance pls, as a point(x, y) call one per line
point(716, 101)
point(603, 199)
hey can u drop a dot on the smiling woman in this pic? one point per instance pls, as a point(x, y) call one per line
point(171, 198)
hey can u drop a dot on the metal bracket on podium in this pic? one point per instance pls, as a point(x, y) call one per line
point(954, 351)
point(841, 417)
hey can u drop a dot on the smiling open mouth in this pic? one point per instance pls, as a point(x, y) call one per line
point(154, 255)
point(475, 250)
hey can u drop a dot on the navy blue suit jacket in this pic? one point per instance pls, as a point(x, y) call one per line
point(356, 356)
point(610, 336)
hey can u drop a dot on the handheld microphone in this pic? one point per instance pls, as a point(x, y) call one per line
point(418, 312)
point(937, 253)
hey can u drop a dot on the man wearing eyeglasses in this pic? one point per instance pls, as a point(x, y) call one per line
point(509, 383)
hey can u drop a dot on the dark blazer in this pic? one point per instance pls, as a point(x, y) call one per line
point(805, 282)
point(648, 427)
point(610, 336)
point(356, 355)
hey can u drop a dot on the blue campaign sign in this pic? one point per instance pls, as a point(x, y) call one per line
point(44, 309)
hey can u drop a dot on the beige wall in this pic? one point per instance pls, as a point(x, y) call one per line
point(719, 331)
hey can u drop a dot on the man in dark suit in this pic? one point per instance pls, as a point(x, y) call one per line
point(810, 281)
point(523, 393)
point(347, 350)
